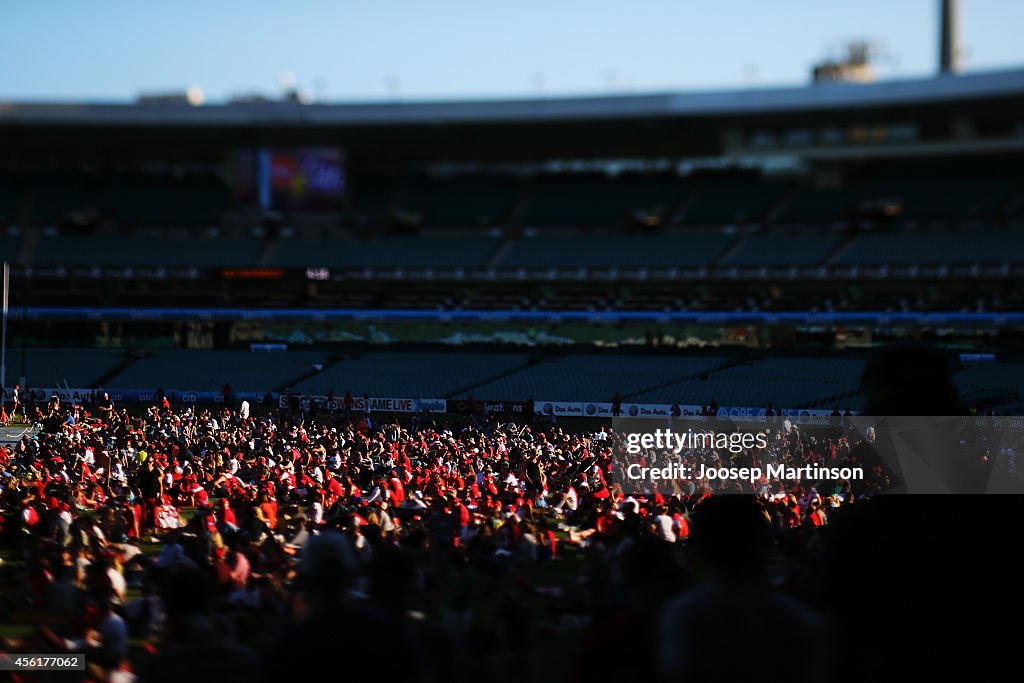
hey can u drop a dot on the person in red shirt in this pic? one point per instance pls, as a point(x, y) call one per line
point(268, 506)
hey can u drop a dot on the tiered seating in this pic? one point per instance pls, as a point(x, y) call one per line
point(105, 250)
point(76, 368)
point(783, 250)
point(783, 382)
point(8, 247)
point(943, 197)
point(8, 201)
point(209, 370)
point(411, 375)
point(389, 252)
point(593, 377)
point(994, 377)
point(370, 198)
point(163, 202)
point(462, 202)
point(721, 201)
point(931, 248)
point(611, 251)
point(599, 201)
point(54, 198)
point(817, 205)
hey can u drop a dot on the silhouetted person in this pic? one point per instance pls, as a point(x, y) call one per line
point(393, 580)
point(912, 584)
point(195, 647)
point(909, 380)
point(650, 576)
point(916, 380)
point(335, 634)
point(732, 626)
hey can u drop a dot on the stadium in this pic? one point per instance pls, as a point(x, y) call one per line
point(269, 348)
point(733, 237)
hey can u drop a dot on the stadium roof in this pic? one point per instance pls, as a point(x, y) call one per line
point(815, 98)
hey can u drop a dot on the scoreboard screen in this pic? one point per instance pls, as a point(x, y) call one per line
point(299, 179)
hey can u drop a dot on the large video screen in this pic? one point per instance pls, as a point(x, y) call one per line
point(296, 179)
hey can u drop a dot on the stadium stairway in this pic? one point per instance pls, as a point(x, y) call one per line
point(129, 360)
point(839, 251)
point(267, 253)
point(847, 398)
point(677, 213)
point(784, 201)
point(729, 253)
point(312, 372)
point(728, 363)
point(1015, 205)
point(530, 362)
point(514, 222)
point(500, 252)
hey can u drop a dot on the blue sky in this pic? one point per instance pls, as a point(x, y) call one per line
point(387, 49)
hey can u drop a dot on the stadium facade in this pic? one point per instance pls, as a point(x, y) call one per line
point(832, 216)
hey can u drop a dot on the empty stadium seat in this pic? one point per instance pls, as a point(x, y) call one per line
point(594, 377)
point(462, 202)
point(193, 201)
point(783, 382)
point(389, 252)
point(933, 248)
point(8, 201)
point(599, 201)
point(721, 201)
point(617, 251)
point(993, 377)
point(139, 250)
point(411, 375)
point(9, 247)
point(209, 370)
point(76, 368)
point(817, 205)
point(783, 250)
point(941, 197)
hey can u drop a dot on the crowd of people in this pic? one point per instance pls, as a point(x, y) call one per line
point(222, 544)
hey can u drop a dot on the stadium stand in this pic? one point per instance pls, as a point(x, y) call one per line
point(817, 205)
point(8, 201)
point(143, 250)
point(136, 201)
point(934, 248)
point(370, 200)
point(941, 197)
point(194, 201)
point(617, 251)
point(783, 250)
point(594, 377)
point(726, 200)
point(995, 378)
point(388, 252)
point(420, 375)
point(61, 367)
point(463, 202)
point(9, 246)
point(209, 370)
point(51, 199)
point(599, 201)
point(790, 382)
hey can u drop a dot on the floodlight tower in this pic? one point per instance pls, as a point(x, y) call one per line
point(949, 37)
